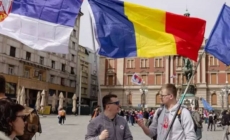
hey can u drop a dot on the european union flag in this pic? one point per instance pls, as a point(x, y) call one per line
point(219, 42)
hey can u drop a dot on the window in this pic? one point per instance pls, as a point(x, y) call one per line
point(129, 78)
point(184, 79)
point(111, 63)
point(130, 64)
point(110, 80)
point(213, 61)
point(144, 78)
point(28, 56)
point(10, 88)
point(12, 51)
point(83, 90)
point(52, 77)
point(179, 61)
point(27, 73)
point(144, 63)
point(214, 99)
point(228, 77)
point(41, 60)
point(53, 64)
point(63, 56)
point(158, 79)
point(40, 76)
point(179, 78)
point(63, 81)
point(11, 69)
point(158, 99)
point(158, 62)
point(213, 79)
point(129, 99)
point(72, 57)
point(63, 67)
point(73, 45)
point(72, 83)
point(72, 70)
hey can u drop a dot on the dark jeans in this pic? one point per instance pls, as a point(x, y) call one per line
point(61, 120)
point(199, 133)
point(212, 124)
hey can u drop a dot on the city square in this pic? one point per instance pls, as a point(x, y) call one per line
point(59, 58)
point(75, 128)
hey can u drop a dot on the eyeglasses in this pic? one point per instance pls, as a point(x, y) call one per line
point(24, 118)
point(115, 103)
point(164, 95)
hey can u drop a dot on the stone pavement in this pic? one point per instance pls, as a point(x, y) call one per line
point(75, 129)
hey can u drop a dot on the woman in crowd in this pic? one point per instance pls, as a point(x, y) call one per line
point(12, 120)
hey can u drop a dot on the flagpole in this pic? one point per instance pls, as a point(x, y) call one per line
point(97, 66)
point(184, 94)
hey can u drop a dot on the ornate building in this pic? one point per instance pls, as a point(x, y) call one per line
point(115, 76)
point(36, 70)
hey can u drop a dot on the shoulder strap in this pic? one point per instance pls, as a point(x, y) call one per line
point(159, 112)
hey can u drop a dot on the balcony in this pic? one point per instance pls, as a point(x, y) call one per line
point(111, 70)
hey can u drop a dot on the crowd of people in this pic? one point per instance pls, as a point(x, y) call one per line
point(112, 123)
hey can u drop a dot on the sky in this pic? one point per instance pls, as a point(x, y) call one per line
point(205, 9)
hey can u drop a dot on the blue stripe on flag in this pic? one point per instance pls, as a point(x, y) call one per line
point(218, 43)
point(62, 12)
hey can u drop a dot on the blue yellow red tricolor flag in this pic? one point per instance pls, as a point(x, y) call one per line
point(124, 29)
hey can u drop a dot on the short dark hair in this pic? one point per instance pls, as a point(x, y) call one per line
point(107, 98)
point(171, 88)
point(8, 114)
point(196, 108)
point(2, 84)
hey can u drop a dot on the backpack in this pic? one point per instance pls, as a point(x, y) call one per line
point(178, 116)
point(210, 119)
point(62, 113)
point(32, 126)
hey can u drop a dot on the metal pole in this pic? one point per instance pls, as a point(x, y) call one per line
point(97, 64)
point(79, 97)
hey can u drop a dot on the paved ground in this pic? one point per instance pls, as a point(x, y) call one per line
point(75, 129)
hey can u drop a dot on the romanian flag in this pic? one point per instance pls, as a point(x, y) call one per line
point(124, 29)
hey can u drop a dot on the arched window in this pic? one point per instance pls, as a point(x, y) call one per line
point(143, 98)
point(158, 99)
point(214, 99)
point(129, 99)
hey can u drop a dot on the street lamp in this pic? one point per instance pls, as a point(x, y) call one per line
point(144, 91)
point(225, 90)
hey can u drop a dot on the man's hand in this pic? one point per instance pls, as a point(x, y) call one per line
point(104, 135)
point(140, 122)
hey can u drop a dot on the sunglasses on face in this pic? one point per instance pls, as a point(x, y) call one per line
point(24, 118)
point(115, 103)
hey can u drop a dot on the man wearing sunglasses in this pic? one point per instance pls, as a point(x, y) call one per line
point(108, 125)
point(182, 129)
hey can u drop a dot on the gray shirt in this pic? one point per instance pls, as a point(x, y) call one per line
point(180, 131)
point(118, 129)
